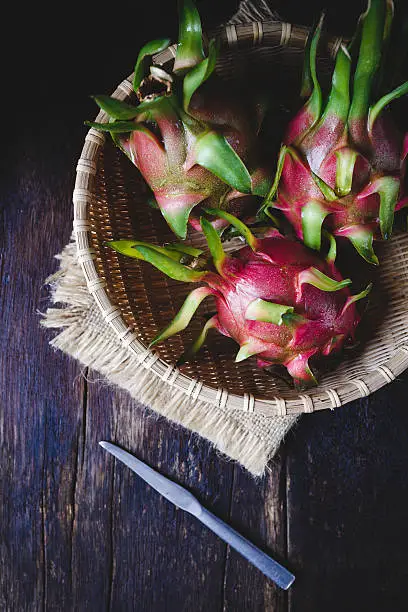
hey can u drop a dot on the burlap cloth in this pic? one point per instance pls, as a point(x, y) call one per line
point(252, 440)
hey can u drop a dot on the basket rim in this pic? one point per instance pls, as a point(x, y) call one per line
point(309, 401)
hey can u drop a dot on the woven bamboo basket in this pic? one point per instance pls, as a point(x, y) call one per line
point(137, 300)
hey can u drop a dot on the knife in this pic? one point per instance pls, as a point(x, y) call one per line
point(185, 500)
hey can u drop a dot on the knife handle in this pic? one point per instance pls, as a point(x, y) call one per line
point(271, 568)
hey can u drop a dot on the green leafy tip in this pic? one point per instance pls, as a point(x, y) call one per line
point(307, 82)
point(117, 127)
point(171, 268)
point(129, 248)
point(185, 249)
point(267, 312)
point(388, 189)
point(274, 188)
point(184, 315)
point(345, 161)
point(332, 252)
point(313, 215)
point(246, 350)
point(362, 240)
point(190, 50)
point(199, 74)
point(244, 230)
point(121, 113)
point(148, 110)
point(375, 110)
point(116, 109)
point(311, 82)
point(152, 47)
point(369, 60)
point(355, 298)
point(160, 106)
point(199, 341)
point(338, 103)
point(313, 276)
point(177, 219)
point(213, 152)
point(326, 190)
point(214, 244)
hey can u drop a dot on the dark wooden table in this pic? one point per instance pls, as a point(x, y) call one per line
point(79, 532)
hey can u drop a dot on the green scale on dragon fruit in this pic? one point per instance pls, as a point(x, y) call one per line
point(191, 148)
point(341, 166)
point(279, 300)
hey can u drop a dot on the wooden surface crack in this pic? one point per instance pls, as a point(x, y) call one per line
point(84, 416)
point(285, 512)
point(43, 518)
point(111, 536)
point(227, 547)
point(78, 467)
point(73, 504)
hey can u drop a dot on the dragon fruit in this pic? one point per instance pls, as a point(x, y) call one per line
point(277, 299)
point(190, 146)
point(341, 166)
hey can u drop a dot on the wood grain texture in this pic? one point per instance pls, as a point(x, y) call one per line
point(40, 394)
point(347, 494)
point(77, 530)
point(143, 549)
point(258, 510)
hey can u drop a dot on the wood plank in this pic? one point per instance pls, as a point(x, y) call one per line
point(40, 405)
point(258, 511)
point(347, 499)
point(91, 540)
point(144, 553)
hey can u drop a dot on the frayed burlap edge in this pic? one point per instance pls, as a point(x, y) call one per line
point(251, 440)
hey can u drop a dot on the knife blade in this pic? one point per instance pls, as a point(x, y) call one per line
point(183, 499)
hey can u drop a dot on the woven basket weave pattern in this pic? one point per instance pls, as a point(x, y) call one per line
point(137, 300)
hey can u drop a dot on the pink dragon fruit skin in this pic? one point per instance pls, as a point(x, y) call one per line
point(191, 148)
point(249, 277)
point(277, 299)
point(170, 166)
point(342, 167)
